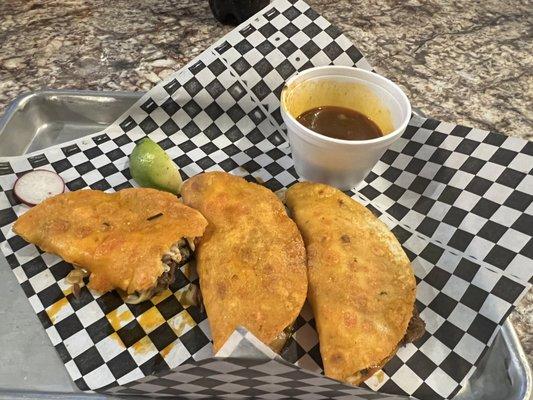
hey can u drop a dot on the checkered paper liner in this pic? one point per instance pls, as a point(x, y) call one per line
point(244, 368)
point(458, 199)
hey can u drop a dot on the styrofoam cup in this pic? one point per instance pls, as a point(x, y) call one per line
point(338, 162)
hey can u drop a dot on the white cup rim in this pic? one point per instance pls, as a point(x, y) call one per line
point(336, 68)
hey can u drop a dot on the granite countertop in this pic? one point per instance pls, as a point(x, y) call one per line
point(466, 62)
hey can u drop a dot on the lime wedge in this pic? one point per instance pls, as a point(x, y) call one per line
point(151, 167)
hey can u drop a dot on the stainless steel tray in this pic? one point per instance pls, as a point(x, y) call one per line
point(38, 120)
point(29, 364)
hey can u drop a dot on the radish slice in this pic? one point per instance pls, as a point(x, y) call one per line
point(36, 186)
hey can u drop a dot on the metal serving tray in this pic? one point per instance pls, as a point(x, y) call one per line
point(29, 365)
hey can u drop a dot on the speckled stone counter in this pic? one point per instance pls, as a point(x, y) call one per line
point(468, 62)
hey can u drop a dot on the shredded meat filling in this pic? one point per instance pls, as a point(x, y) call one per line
point(415, 329)
point(178, 255)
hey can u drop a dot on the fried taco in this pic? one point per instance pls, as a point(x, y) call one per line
point(250, 260)
point(132, 240)
point(361, 284)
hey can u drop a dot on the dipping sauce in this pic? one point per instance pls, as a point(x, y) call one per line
point(340, 123)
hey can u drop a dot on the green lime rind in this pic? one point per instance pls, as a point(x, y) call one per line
point(151, 167)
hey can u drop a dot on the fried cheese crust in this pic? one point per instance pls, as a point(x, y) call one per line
point(119, 238)
point(251, 259)
point(361, 285)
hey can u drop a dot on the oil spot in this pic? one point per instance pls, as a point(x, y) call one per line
point(114, 336)
point(151, 319)
point(118, 319)
point(143, 346)
point(165, 352)
point(56, 308)
point(181, 323)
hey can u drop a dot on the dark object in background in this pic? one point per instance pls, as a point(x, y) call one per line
point(233, 12)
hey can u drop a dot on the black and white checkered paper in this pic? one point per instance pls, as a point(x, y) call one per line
point(458, 199)
point(245, 368)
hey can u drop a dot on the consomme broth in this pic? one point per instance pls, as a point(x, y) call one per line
point(341, 92)
point(340, 123)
